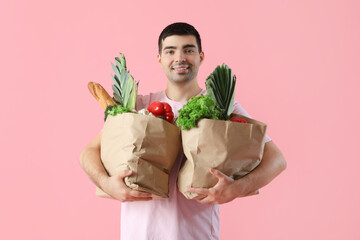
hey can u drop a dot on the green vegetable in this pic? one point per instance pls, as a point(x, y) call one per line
point(125, 87)
point(195, 109)
point(117, 109)
point(220, 86)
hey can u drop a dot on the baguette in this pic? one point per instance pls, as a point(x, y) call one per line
point(100, 95)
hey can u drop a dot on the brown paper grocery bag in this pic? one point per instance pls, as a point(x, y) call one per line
point(230, 147)
point(145, 144)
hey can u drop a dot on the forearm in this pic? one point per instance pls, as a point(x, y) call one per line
point(272, 164)
point(90, 161)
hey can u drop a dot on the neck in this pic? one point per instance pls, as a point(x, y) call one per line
point(182, 92)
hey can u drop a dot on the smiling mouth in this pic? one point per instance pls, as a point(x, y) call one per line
point(180, 68)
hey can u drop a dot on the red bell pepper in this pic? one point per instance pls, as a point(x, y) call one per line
point(238, 119)
point(161, 109)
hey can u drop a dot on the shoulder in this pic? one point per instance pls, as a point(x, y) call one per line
point(238, 109)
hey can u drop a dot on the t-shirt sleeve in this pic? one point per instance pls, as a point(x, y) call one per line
point(238, 109)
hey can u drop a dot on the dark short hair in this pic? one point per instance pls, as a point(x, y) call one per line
point(179, 28)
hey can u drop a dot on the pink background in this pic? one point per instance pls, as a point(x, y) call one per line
point(297, 64)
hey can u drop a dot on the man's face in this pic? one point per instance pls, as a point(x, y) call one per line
point(180, 58)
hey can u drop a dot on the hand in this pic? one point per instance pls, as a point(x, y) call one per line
point(117, 189)
point(222, 192)
point(225, 190)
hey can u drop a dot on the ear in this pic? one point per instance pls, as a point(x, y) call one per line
point(159, 58)
point(202, 56)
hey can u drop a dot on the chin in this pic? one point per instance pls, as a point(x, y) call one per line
point(182, 80)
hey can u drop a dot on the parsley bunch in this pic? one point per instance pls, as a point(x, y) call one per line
point(114, 110)
point(197, 108)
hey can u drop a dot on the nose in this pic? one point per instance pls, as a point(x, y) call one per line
point(180, 57)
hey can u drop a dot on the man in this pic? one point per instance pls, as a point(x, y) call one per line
point(180, 56)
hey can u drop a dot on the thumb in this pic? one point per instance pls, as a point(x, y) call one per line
point(217, 173)
point(125, 173)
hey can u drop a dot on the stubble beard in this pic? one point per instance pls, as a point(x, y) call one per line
point(182, 78)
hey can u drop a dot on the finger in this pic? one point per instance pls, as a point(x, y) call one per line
point(138, 194)
point(154, 197)
point(217, 173)
point(200, 191)
point(253, 193)
point(207, 200)
point(199, 197)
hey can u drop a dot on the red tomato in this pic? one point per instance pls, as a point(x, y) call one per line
point(237, 119)
point(167, 107)
point(169, 116)
point(156, 108)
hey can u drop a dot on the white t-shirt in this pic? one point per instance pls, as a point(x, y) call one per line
point(173, 218)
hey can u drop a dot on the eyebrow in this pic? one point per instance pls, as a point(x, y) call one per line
point(186, 46)
point(189, 46)
point(169, 47)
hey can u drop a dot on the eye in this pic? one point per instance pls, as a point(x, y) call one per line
point(189, 50)
point(169, 52)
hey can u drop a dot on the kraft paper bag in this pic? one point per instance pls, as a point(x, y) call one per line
point(144, 144)
point(230, 147)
